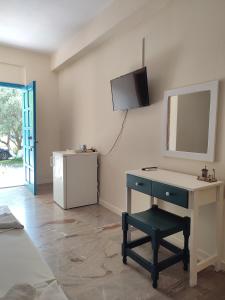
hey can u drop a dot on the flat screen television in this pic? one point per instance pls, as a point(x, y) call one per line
point(130, 90)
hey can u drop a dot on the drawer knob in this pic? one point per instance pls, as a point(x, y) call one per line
point(138, 183)
point(167, 194)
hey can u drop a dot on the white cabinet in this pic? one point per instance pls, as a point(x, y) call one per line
point(74, 179)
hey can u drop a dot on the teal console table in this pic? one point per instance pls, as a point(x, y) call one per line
point(185, 191)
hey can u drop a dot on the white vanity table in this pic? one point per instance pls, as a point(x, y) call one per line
point(185, 191)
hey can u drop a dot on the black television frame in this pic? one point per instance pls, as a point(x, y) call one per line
point(132, 72)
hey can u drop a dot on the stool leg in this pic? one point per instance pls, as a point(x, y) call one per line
point(125, 229)
point(186, 233)
point(155, 249)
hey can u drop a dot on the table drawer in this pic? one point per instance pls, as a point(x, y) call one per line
point(170, 194)
point(139, 184)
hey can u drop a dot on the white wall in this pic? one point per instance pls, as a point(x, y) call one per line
point(96, 31)
point(184, 46)
point(12, 73)
point(20, 66)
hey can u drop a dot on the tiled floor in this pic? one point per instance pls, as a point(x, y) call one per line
point(82, 247)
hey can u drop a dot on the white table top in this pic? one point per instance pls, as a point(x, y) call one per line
point(184, 181)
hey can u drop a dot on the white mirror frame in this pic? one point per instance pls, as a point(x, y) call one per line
point(211, 86)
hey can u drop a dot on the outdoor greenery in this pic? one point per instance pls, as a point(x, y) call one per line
point(14, 163)
point(11, 118)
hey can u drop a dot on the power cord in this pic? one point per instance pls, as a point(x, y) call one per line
point(118, 136)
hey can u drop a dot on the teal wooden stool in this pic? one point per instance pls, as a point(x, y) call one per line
point(156, 224)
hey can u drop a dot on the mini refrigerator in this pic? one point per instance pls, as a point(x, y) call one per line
point(74, 178)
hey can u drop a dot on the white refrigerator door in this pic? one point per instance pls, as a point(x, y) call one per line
point(81, 173)
point(59, 179)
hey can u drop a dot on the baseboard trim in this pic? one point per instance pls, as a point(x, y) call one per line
point(175, 241)
point(179, 243)
point(41, 179)
point(201, 254)
point(111, 207)
point(46, 183)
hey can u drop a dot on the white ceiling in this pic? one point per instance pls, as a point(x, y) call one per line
point(43, 25)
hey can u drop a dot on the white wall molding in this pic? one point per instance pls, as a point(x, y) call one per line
point(111, 207)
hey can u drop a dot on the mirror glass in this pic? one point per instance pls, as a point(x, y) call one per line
point(188, 122)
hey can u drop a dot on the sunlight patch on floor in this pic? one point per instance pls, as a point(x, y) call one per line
point(11, 176)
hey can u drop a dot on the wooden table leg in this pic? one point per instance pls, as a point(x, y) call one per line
point(193, 241)
point(151, 201)
point(155, 200)
point(219, 226)
point(128, 196)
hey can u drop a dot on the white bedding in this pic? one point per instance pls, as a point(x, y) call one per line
point(20, 262)
point(7, 219)
point(51, 291)
point(24, 275)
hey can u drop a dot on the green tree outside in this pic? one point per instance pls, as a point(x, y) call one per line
point(11, 118)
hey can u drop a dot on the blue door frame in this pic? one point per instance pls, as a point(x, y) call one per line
point(12, 85)
point(29, 131)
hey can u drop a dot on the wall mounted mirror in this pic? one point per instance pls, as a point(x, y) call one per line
point(189, 118)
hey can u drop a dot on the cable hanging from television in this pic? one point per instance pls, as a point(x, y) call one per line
point(118, 136)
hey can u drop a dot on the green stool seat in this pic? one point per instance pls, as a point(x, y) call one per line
point(156, 218)
point(156, 224)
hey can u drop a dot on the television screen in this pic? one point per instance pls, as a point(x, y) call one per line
point(130, 90)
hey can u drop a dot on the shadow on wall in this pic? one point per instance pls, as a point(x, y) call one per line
point(167, 61)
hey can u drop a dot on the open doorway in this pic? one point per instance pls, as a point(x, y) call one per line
point(18, 135)
point(11, 137)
